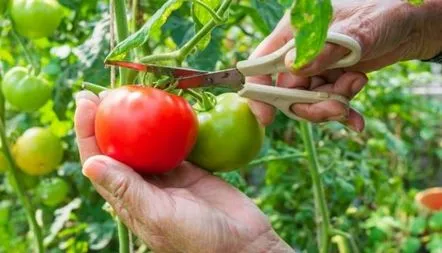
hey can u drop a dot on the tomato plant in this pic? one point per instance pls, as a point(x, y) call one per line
point(3, 162)
point(25, 91)
point(368, 180)
point(229, 135)
point(36, 18)
point(53, 191)
point(156, 130)
point(38, 151)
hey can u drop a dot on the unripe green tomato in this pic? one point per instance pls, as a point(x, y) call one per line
point(229, 135)
point(25, 91)
point(52, 191)
point(36, 18)
point(38, 151)
point(3, 162)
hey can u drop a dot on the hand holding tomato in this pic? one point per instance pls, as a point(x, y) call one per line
point(186, 210)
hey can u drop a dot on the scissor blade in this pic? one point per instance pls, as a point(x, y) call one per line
point(157, 69)
point(230, 78)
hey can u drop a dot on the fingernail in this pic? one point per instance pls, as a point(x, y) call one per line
point(94, 169)
point(79, 96)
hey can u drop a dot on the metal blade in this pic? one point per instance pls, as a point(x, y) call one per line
point(156, 69)
point(231, 78)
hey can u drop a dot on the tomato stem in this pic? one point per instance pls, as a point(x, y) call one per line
point(20, 191)
point(348, 237)
point(322, 216)
point(122, 32)
point(123, 237)
point(95, 88)
point(29, 58)
point(206, 29)
point(217, 18)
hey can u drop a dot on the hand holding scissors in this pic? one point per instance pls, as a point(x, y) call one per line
point(281, 98)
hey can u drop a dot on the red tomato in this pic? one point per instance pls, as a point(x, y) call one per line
point(148, 129)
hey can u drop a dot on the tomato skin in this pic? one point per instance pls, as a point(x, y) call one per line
point(36, 18)
point(229, 135)
point(38, 151)
point(19, 86)
point(148, 129)
point(52, 191)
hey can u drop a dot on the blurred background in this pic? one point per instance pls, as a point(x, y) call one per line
point(371, 179)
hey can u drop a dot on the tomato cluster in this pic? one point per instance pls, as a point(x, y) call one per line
point(154, 131)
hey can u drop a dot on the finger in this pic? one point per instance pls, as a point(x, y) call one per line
point(185, 175)
point(84, 121)
point(347, 85)
point(125, 189)
point(355, 121)
point(331, 54)
point(279, 37)
point(329, 110)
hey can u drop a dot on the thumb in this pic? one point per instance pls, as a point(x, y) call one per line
point(131, 197)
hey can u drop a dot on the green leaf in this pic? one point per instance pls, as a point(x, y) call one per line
point(310, 19)
point(270, 11)
point(435, 222)
point(201, 17)
point(418, 225)
point(411, 245)
point(151, 29)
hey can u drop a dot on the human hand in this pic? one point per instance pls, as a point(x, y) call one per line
point(388, 32)
point(186, 210)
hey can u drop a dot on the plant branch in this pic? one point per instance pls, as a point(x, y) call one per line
point(29, 58)
point(215, 16)
point(122, 32)
point(21, 193)
point(348, 237)
point(207, 28)
point(123, 237)
point(322, 218)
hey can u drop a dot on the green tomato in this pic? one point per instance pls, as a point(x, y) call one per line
point(36, 18)
point(229, 135)
point(3, 162)
point(38, 151)
point(53, 191)
point(25, 91)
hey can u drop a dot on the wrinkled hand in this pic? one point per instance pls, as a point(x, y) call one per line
point(388, 31)
point(186, 210)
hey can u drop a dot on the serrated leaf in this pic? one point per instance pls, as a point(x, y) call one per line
point(151, 29)
point(310, 19)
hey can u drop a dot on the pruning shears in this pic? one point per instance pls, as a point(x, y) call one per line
point(281, 98)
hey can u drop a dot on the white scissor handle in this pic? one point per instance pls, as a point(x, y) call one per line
point(274, 62)
point(284, 98)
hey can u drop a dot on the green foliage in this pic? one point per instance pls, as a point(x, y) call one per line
point(310, 19)
point(370, 179)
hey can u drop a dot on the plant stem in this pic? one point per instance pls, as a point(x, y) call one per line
point(321, 217)
point(134, 27)
point(122, 32)
point(207, 28)
point(212, 13)
point(29, 58)
point(160, 57)
point(348, 237)
point(96, 89)
point(21, 193)
point(123, 237)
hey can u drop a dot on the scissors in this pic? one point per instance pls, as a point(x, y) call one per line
point(281, 98)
